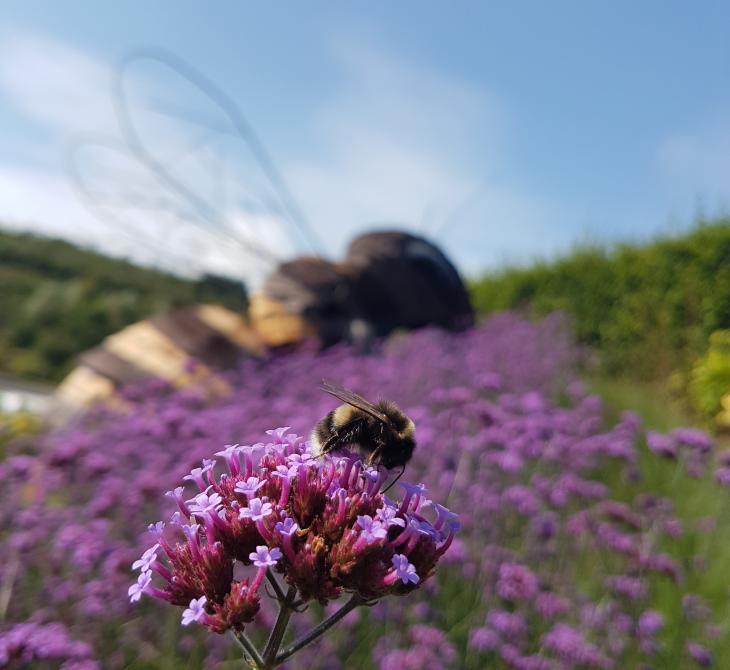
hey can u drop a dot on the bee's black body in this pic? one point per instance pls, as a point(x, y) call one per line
point(381, 432)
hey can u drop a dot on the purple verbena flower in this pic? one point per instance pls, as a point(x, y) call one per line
point(196, 474)
point(722, 475)
point(700, 655)
point(250, 486)
point(650, 623)
point(661, 445)
point(287, 471)
point(278, 434)
point(137, 589)
point(195, 611)
point(148, 558)
point(264, 557)
point(257, 510)
point(404, 570)
point(158, 528)
point(389, 516)
point(446, 517)
point(231, 456)
point(516, 582)
point(484, 639)
point(204, 503)
point(372, 530)
point(509, 624)
point(570, 646)
point(287, 527)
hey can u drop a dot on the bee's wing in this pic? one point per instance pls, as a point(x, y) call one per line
point(353, 399)
point(188, 179)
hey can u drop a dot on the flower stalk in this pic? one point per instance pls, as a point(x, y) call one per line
point(250, 654)
point(320, 629)
point(279, 629)
point(280, 595)
point(272, 657)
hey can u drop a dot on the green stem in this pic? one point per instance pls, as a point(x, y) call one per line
point(6, 589)
point(279, 629)
point(275, 583)
point(322, 628)
point(250, 653)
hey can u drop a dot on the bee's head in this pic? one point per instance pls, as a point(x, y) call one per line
point(401, 442)
point(399, 420)
point(398, 452)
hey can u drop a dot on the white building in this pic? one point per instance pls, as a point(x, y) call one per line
point(20, 395)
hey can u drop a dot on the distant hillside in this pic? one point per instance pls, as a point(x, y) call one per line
point(649, 309)
point(57, 299)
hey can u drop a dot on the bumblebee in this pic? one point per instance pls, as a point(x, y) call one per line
point(382, 433)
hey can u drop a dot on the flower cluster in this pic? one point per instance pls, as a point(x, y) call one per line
point(582, 535)
point(321, 523)
point(429, 649)
point(29, 644)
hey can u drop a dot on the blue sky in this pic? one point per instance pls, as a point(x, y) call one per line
point(507, 132)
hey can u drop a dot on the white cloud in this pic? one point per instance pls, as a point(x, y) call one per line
point(68, 91)
point(43, 201)
point(397, 144)
point(57, 85)
point(46, 203)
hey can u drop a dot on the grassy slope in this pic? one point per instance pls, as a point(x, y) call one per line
point(58, 299)
point(692, 499)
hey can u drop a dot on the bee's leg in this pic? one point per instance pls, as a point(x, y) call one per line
point(400, 474)
point(330, 445)
point(374, 454)
point(344, 435)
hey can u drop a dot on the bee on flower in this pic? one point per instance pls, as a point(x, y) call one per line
point(315, 528)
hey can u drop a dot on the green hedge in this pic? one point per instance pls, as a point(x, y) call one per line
point(710, 380)
point(57, 300)
point(649, 309)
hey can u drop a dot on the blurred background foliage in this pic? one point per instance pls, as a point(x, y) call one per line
point(655, 312)
point(58, 300)
point(16, 425)
point(710, 382)
point(650, 310)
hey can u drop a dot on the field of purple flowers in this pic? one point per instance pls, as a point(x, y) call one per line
point(585, 542)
